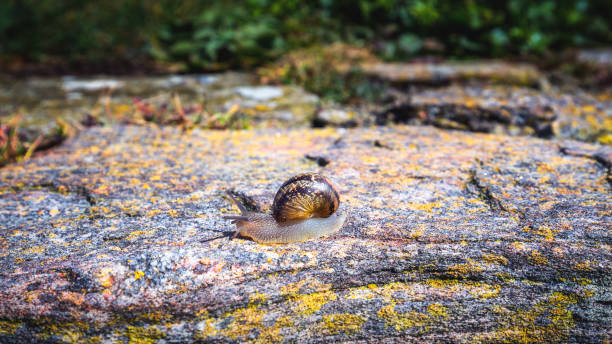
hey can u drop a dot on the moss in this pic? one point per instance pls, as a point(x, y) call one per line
point(347, 323)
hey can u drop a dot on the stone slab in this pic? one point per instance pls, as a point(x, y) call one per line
point(446, 72)
point(509, 110)
point(116, 236)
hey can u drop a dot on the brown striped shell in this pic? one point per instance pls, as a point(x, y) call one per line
point(305, 196)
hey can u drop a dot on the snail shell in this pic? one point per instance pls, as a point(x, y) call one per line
point(304, 196)
point(304, 207)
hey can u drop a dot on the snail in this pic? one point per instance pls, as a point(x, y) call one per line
point(304, 208)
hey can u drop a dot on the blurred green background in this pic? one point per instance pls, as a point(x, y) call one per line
point(213, 35)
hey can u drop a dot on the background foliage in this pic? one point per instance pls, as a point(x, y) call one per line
point(204, 35)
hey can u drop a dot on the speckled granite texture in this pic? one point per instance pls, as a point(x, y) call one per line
point(116, 236)
point(509, 110)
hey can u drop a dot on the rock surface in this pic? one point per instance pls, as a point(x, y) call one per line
point(509, 110)
point(69, 99)
point(444, 73)
point(600, 58)
point(451, 237)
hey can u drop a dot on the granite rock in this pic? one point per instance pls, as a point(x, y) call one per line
point(447, 72)
point(43, 101)
point(452, 236)
point(508, 110)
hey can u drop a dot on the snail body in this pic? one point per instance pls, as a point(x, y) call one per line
point(305, 207)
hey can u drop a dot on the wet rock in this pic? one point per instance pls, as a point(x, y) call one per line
point(444, 73)
point(509, 110)
point(451, 236)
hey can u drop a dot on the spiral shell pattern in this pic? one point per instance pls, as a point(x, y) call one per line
point(305, 196)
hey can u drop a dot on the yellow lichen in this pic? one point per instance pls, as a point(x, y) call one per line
point(9, 327)
point(582, 281)
point(517, 245)
point(495, 259)
point(605, 139)
point(34, 249)
point(364, 292)
point(442, 283)
point(347, 323)
point(402, 321)
point(544, 232)
point(537, 258)
point(460, 270)
point(548, 321)
point(485, 291)
point(209, 328)
point(143, 335)
point(437, 311)
point(155, 317)
point(272, 334)
point(136, 234)
point(104, 277)
point(426, 207)
point(477, 289)
point(70, 332)
point(243, 321)
point(258, 298)
point(310, 303)
point(587, 265)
